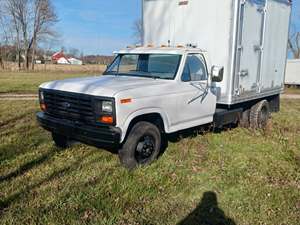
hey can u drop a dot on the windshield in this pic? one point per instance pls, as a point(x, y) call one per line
point(161, 66)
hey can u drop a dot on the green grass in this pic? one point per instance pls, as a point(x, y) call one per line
point(28, 82)
point(252, 177)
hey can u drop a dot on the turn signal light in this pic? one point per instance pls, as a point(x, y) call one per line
point(106, 119)
point(43, 107)
point(125, 101)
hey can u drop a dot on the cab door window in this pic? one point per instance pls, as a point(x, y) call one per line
point(195, 69)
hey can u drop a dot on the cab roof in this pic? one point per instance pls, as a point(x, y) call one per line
point(159, 50)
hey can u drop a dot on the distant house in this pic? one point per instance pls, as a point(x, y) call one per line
point(74, 61)
point(56, 56)
point(61, 58)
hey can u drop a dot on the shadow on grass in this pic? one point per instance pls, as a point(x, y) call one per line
point(30, 165)
point(195, 131)
point(5, 203)
point(207, 213)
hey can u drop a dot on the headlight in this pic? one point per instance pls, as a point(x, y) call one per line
point(43, 106)
point(42, 98)
point(107, 106)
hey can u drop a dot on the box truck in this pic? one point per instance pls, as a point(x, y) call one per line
point(292, 78)
point(201, 62)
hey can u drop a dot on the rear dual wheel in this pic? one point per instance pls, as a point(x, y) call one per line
point(260, 115)
point(257, 117)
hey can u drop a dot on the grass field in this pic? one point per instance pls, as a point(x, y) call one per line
point(237, 177)
point(23, 82)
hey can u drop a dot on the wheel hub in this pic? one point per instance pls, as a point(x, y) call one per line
point(145, 149)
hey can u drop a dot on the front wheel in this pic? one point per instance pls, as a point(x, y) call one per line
point(61, 141)
point(142, 146)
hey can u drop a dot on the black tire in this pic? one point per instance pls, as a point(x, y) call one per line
point(61, 141)
point(142, 145)
point(259, 115)
point(245, 119)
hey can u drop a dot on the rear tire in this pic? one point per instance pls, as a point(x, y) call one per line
point(259, 115)
point(142, 145)
point(61, 141)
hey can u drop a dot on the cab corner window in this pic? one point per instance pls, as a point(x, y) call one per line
point(194, 69)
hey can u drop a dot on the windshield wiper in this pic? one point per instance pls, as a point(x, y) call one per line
point(133, 75)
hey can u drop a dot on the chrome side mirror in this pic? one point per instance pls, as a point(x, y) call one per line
point(217, 73)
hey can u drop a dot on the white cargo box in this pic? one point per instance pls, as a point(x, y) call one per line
point(293, 72)
point(247, 37)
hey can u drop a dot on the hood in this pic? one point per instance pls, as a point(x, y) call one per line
point(106, 85)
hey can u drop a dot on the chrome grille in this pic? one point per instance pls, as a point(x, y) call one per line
point(70, 106)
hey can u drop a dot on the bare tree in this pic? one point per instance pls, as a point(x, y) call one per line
point(32, 21)
point(74, 52)
point(294, 44)
point(1, 34)
point(138, 31)
point(6, 34)
point(16, 10)
point(44, 19)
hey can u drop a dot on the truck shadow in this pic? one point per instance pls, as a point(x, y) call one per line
point(207, 213)
point(191, 133)
point(194, 132)
point(30, 165)
point(29, 188)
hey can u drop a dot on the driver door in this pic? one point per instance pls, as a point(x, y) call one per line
point(196, 104)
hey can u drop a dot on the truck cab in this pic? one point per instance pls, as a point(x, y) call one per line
point(154, 91)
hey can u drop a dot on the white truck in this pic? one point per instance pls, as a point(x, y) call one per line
point(201, 62)
point(292, 78)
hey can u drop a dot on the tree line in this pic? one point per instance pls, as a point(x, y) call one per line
point(24, 24)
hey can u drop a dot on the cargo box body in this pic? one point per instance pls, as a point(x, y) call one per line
point(247, 37)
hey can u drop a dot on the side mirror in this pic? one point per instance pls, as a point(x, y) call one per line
point(217, 73)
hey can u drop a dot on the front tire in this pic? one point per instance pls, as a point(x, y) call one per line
point(142, 145)
point(61, 141)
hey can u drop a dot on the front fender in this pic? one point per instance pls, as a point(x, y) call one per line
point(124, 127)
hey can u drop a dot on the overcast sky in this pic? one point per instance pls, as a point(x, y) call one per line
point(102, 26)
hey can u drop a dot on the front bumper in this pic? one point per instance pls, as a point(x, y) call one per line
point(99, 136)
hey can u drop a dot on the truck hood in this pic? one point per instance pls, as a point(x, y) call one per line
point(106, 85)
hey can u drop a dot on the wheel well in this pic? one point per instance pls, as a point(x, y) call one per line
point(154, 118)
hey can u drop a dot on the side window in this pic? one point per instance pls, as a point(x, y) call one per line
point(195, 69)
point(186, 75)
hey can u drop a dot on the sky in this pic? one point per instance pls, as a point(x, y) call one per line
point(96, 26)
point(103, 26)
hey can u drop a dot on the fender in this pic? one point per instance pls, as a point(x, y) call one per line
point(124, 127)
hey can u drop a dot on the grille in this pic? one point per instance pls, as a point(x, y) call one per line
point(71, 106)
